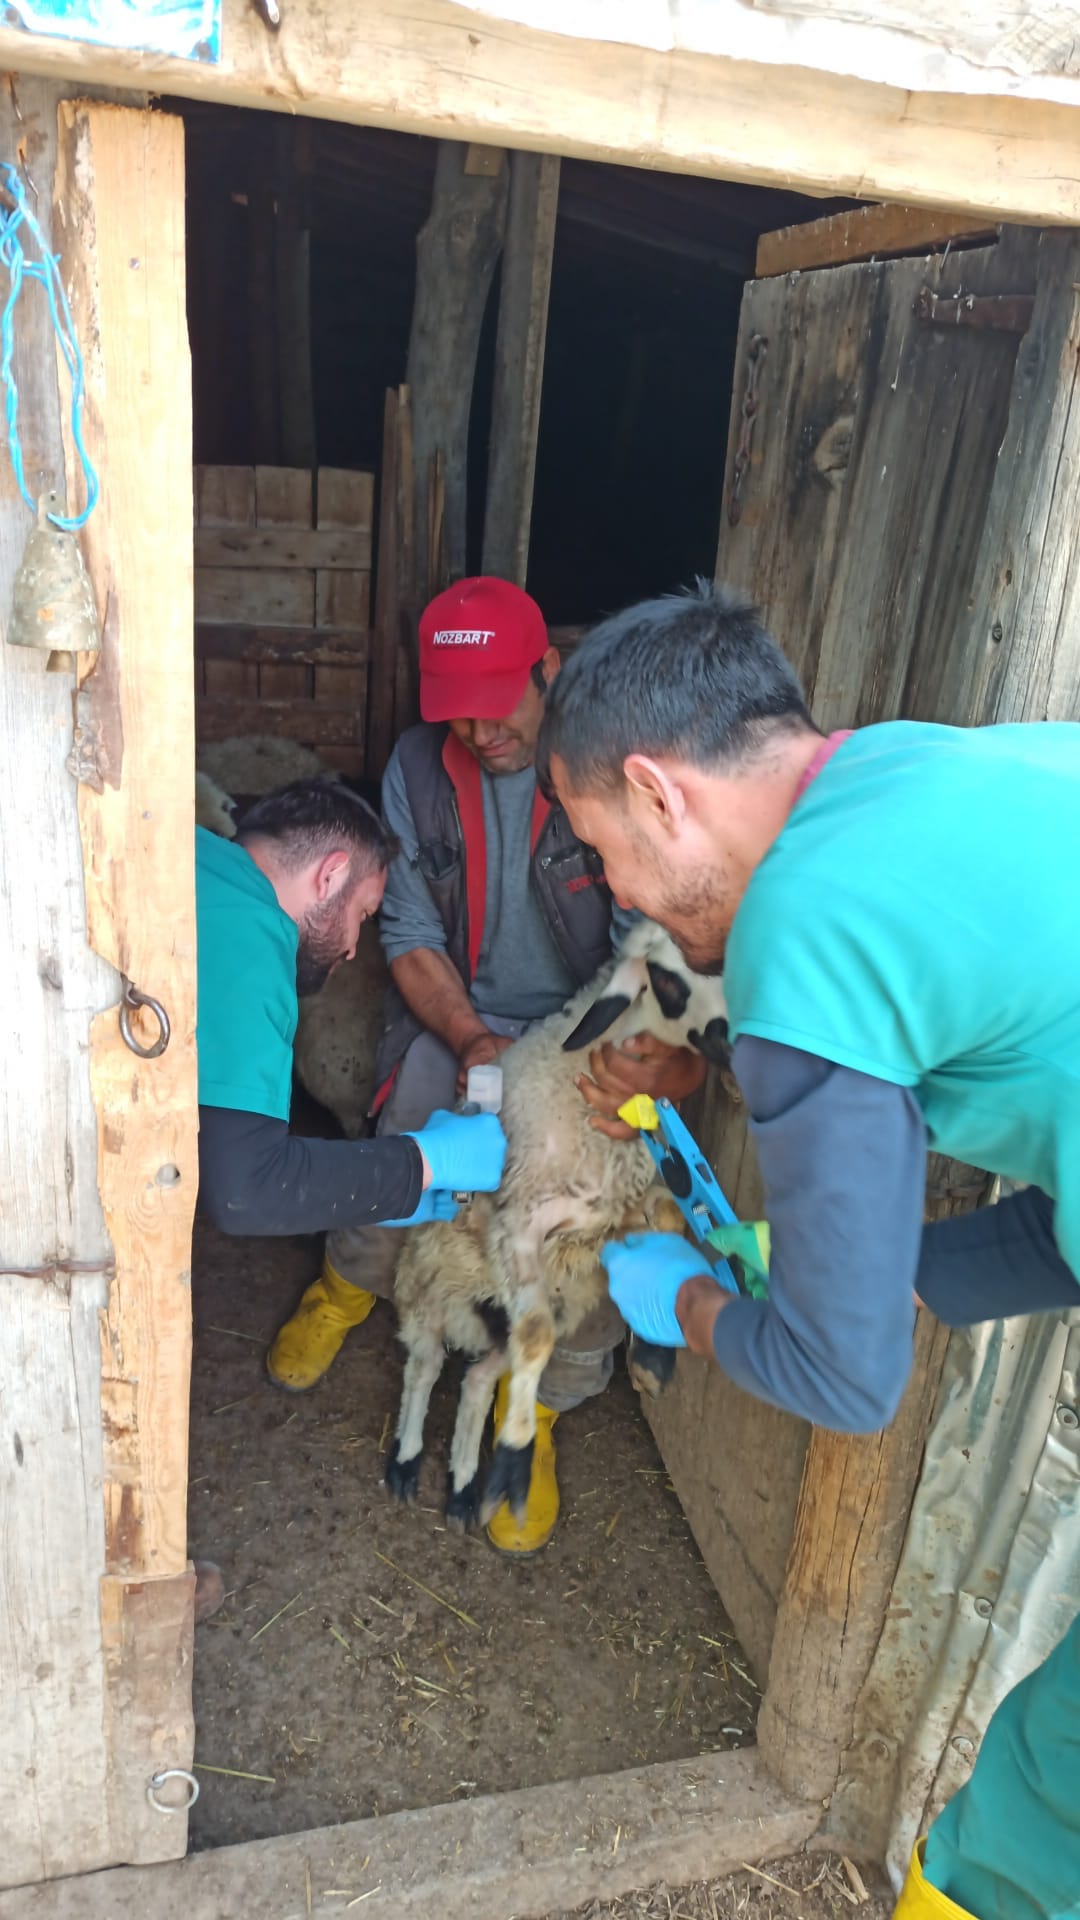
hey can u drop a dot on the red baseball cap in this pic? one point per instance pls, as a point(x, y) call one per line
point(478, 641)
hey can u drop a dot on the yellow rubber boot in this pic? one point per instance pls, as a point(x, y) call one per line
point(542, 1506)
point(920, 1901)
point(311, 1340)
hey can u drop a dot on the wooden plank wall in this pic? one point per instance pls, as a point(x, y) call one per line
point(874, 453)
point(283, 606)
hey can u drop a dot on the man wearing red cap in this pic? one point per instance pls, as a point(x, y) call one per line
point(494, 914)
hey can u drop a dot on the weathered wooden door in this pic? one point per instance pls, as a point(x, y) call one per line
point(97, 1143)
point(895, 504)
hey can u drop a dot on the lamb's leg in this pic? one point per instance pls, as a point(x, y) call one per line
point(532, 1338)
point(422, 1368)
point(651, 1368)
point(477, 1388)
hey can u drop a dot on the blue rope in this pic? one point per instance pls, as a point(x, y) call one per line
point(47, 272)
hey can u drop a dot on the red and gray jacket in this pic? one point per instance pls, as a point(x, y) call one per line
point(443, 785)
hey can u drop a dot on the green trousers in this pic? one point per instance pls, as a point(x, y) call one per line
point(1007, 1846)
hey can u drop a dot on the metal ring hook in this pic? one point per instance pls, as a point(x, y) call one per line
point(132, 998)
point(172, 1773)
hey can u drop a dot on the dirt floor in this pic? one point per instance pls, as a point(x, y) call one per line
point(368, 1660)
point(808, 1886)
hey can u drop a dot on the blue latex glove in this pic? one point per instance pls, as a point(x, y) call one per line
point(465, 1151)
point(645, 1272)
point(435, 1204)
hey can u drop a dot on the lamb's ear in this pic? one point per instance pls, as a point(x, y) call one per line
point(626, 985)
point(713, 1043)
point(601, 1015)
point(671, 990)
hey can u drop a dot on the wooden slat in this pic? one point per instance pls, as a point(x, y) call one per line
point(326, 646)
point(313, 721)
point(225, 676)
point(1017, 655)
point(282, 496)
point(864, 233)
point(343, 600)
point(266, 547)
point(275, 597)
point(345, 499)
point(345, 687)
point(225, 496)
point(291, 681)
point(384, 639)
point(120, 201)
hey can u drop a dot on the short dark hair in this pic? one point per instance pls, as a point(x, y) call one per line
point(694, 674)
point(311, 818)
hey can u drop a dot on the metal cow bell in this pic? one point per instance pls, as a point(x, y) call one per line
point(52, 602)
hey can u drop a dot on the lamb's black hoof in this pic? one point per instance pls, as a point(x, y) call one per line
point(403, 1476)
point(463, 1504)
point(508, 1479)
point(651, 1368)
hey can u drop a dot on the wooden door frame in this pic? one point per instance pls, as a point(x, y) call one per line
point(113, 1610)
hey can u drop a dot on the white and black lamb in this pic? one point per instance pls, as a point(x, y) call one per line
point(517, 1271)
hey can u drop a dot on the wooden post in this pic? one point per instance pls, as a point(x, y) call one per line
point(456, 252)
point(519, 362)
point(263, 304)
point(292, 265)
point(120, 232)
point(849, 1529)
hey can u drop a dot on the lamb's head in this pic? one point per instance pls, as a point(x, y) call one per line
point(668, 1000)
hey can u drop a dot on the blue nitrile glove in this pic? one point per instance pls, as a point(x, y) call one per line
point(645, 1272)
point(435, 1204)
point(465, 1151)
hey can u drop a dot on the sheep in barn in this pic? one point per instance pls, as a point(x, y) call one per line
point(249, 765)
point(214, 809)
point(515, 1271)
point(338, 1028)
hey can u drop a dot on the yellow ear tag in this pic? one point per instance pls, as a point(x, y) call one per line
point(640, 1111)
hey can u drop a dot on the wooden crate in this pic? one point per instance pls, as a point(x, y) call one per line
point(283, 606)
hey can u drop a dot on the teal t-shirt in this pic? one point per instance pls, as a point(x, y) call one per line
point(247, 983)
point(918, 919)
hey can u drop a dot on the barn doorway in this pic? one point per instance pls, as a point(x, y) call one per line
point(367, 1661)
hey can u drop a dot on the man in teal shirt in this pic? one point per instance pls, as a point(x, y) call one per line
point(897, 914)
point(277, 909)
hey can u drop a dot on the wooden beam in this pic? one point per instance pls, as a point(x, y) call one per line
point(119, 226)
point(577, 210)
point(261, 547)
point(315, 722)
point(454, 75)
point(864, 233)
point(524, 291)
point(541, 1848)
point(457, 250)
point(300, 646)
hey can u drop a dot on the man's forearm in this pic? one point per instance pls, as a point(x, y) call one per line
point(432, 989)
